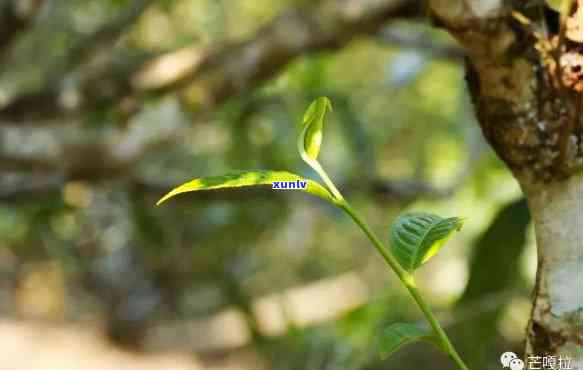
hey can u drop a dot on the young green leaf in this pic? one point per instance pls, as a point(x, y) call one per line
point(399, 334)
point(416, 237)
point(246, 178)
point(310, 138)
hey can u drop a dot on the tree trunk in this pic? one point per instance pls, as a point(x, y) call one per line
point(532, 122)
point(556, 325)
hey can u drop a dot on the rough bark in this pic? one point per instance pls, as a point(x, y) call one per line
point(532, 124)
point(556, 326)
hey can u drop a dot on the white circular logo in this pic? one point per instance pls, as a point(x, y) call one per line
point(507, 358)
point(516, 364)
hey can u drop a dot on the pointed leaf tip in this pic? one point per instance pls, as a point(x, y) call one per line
point(416, 237)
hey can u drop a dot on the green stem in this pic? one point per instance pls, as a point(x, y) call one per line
point(324, 176)
point(407, 280)
point(403, 274)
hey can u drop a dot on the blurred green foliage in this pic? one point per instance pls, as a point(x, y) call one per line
point(401, 137)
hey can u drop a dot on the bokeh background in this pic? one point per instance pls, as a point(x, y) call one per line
point(106, 105)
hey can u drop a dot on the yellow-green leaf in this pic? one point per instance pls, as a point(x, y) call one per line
point(310, 139)
point(246, 178)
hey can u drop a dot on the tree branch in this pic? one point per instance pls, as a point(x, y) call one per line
point(206, 77)
point(48, 98)
point(75, 151)
point(84, 48)
point(89, 152)
point(216, 75)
